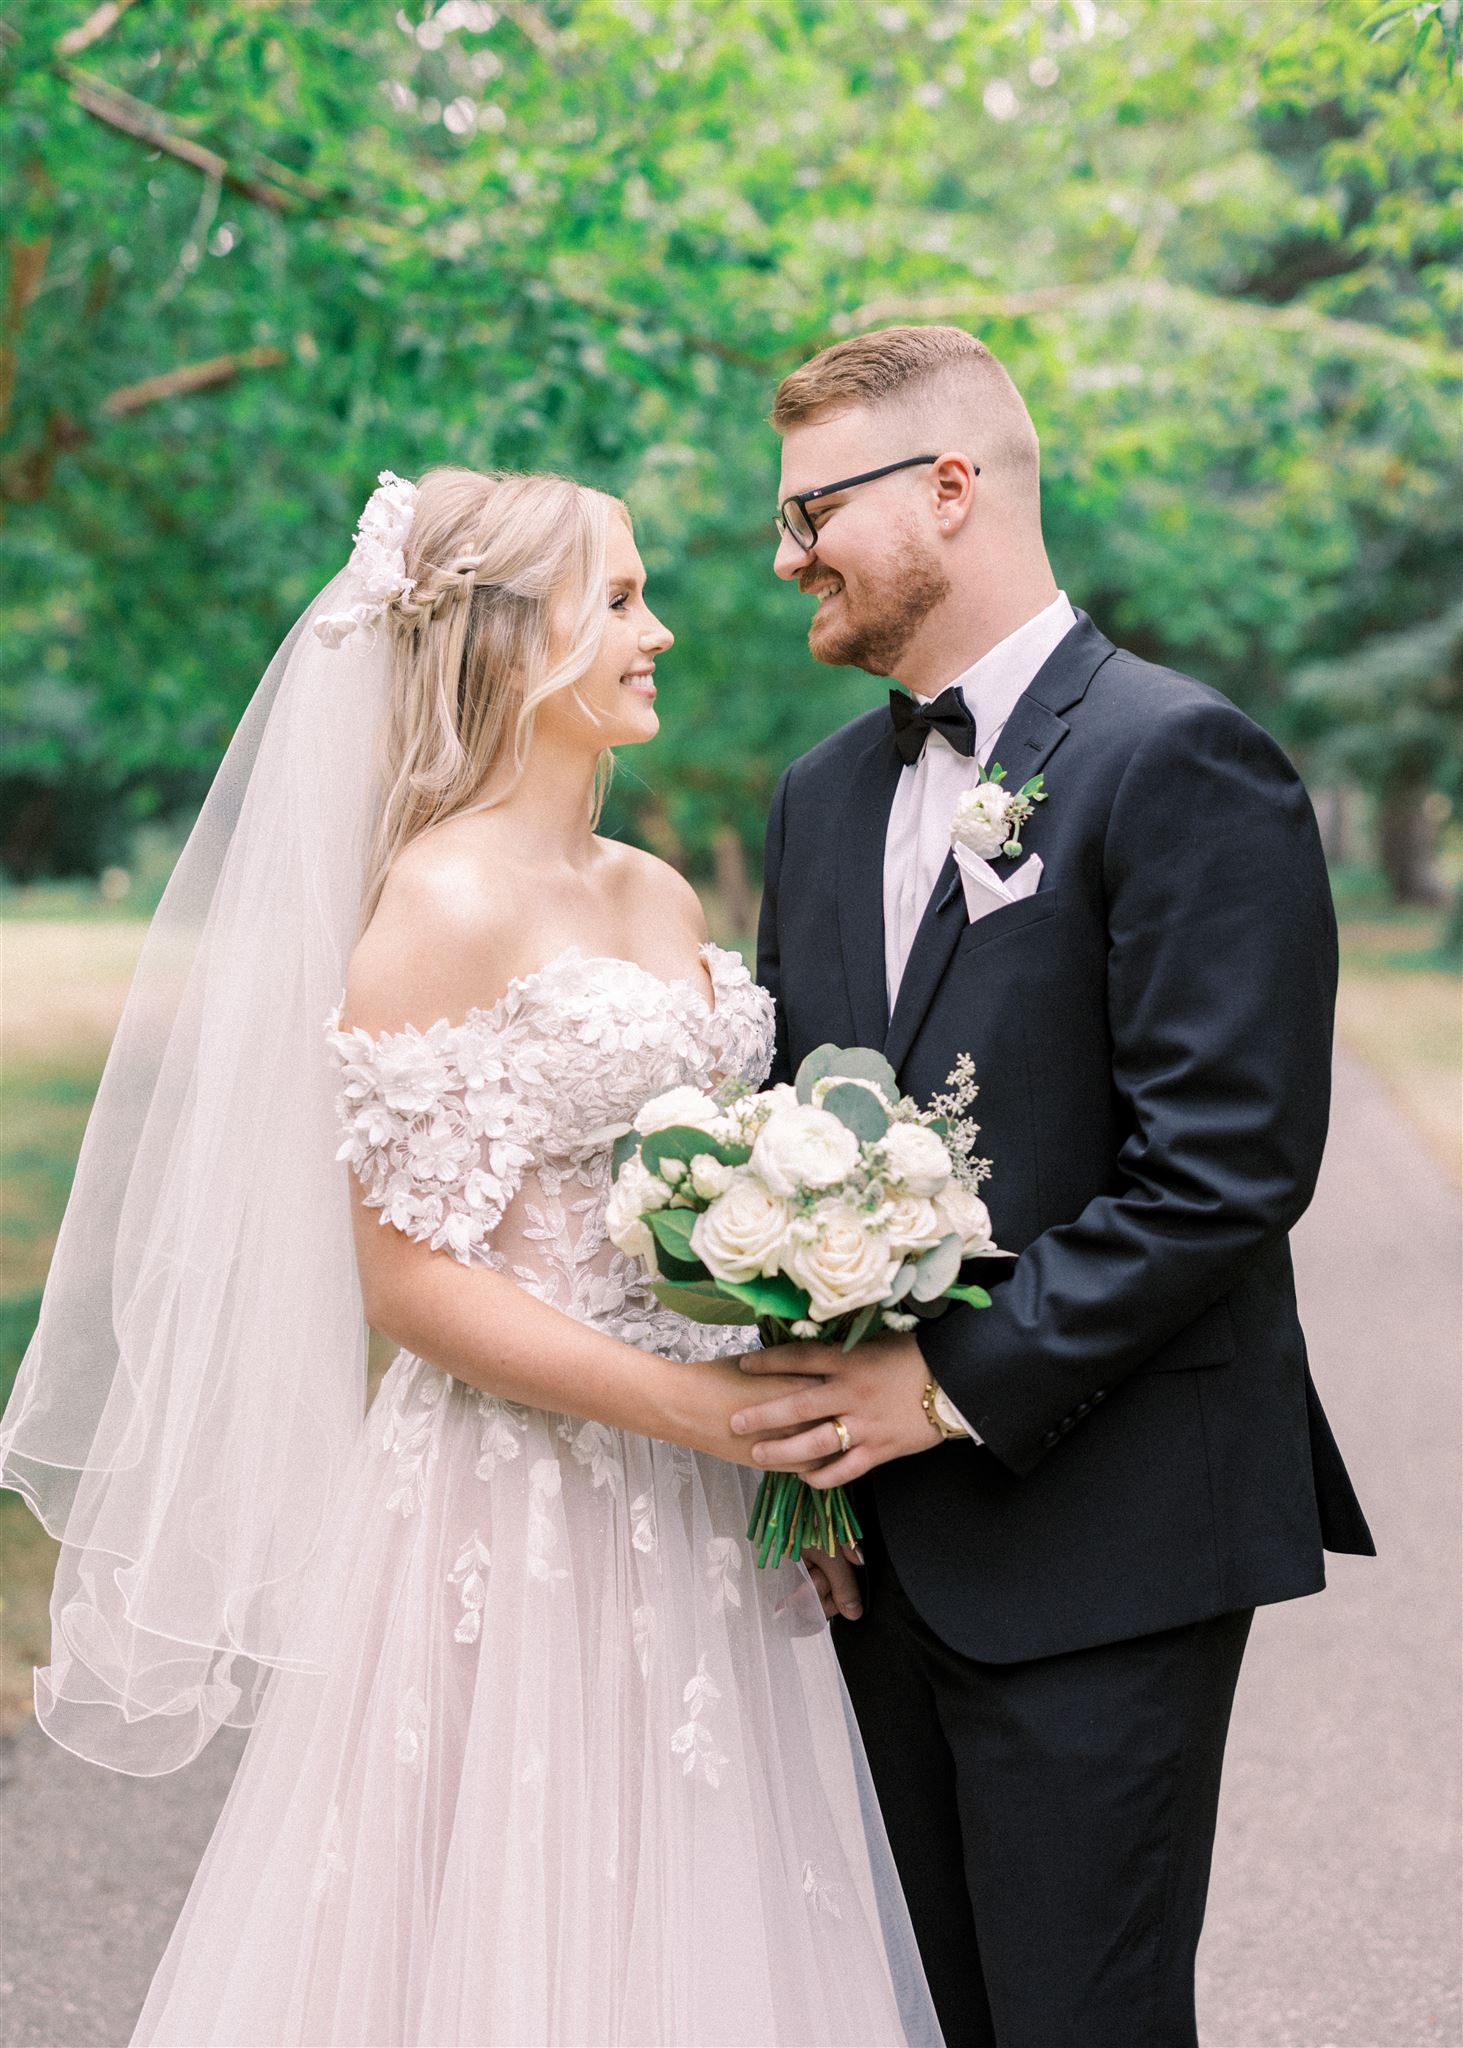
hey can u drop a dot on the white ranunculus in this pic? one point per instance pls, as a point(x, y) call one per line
point(820, 1088)
point(910, 1223)
point(635, 1193)
point(684, 1105)
point(844, 1266)
point(917, 1158)
point(709, 1176)
point(968, 1217)
point(742, 1234)
point(980, 819)
point(803, 1147)
point(749, 1112)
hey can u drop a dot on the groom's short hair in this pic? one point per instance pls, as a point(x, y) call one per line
point(921, 369)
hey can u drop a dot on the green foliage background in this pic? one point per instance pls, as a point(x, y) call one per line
point(254, 254)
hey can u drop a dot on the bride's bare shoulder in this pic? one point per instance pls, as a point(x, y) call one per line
point(650, 888)
point(445, 934)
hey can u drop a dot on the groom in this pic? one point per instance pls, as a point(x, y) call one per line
point(1074, 1499)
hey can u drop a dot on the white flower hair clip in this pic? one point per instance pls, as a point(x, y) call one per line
point(376, 572)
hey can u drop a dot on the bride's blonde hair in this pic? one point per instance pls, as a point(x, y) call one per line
point(492, 557)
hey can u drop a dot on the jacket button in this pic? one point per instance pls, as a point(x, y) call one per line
point(1051, 1437)
point(1065, 1424)
point(1084, 1407)
point(1100, 1395)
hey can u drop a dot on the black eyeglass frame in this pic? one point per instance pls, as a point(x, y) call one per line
point(802, 499)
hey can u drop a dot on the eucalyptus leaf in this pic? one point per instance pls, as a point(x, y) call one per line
point(938, 1270)
point(860, 1328)
point(976, 1297)
point(857, 1110)
point(903, 1281)
point(818, 1063)
point(625, 1148)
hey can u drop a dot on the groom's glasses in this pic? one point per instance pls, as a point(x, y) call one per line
point(792, 513)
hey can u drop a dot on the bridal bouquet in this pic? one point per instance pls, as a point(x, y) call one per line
point(832, 1209)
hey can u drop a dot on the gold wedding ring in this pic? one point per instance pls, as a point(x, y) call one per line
point(845, 1442)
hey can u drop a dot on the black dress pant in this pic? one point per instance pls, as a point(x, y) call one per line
point(1052, 1822)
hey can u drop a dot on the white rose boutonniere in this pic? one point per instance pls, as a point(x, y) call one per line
point(989, 819)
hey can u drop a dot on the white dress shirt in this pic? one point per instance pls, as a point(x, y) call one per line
point(917, 843)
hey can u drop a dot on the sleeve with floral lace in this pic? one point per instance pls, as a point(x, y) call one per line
point(434, 1131)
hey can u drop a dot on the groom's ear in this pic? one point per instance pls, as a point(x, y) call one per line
point(952, 490)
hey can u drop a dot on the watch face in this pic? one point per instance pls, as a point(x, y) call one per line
point(948, 1413)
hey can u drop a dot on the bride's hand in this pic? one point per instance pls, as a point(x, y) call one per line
point(835, 1579)
point(709, 1393)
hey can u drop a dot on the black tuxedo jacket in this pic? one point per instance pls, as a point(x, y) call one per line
point(1151, 1033)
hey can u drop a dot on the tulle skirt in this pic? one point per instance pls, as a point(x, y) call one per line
point(575, 1772)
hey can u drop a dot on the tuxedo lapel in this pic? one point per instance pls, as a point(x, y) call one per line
point(861, 887)
point(1029, 737)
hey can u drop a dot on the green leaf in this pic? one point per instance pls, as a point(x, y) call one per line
point(671, 1229)
point(861, 1324)
point(903, 1281)
point(625, 1148)
point(702, 1304)
point(818, 1063)
point(938, 1270)
point(680, 1141)
point(858, 1110)
point(860, 1063)
point(770, 1295)
point(976, 1297)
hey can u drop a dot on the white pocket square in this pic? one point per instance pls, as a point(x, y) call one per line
point(985, 890)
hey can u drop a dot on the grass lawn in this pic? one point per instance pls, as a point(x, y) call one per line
point(65, 975)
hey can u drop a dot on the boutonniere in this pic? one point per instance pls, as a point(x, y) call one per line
point(989, 819)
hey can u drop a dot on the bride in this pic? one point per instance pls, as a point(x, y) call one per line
point(538, 1755)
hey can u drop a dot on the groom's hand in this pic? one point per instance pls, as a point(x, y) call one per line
point(876, 1391)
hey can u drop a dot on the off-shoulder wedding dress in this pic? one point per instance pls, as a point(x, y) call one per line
point(574, 1770)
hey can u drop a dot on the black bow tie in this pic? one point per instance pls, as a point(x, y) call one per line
point(914, 721)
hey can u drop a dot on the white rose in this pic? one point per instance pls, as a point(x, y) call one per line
point(917, 1158)
point(678, 1106)
point(968, 1217)
point(709, 1177)
point(741, 1235)
point(804, 1148)
point(635, 1193)
point(910, 1223)
point(845, 1266)
point(980, 820)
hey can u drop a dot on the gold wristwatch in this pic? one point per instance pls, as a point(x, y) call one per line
point(941, 1411)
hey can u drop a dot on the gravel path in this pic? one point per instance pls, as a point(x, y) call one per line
point(1334, 1915)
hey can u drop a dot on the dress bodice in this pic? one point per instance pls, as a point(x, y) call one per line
point(491, 1139)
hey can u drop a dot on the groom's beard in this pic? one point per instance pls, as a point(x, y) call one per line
point(872, 631)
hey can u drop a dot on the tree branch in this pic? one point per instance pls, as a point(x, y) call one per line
point(27, 267)
point(188, 378)
point(277, 189)
point(96, 25)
